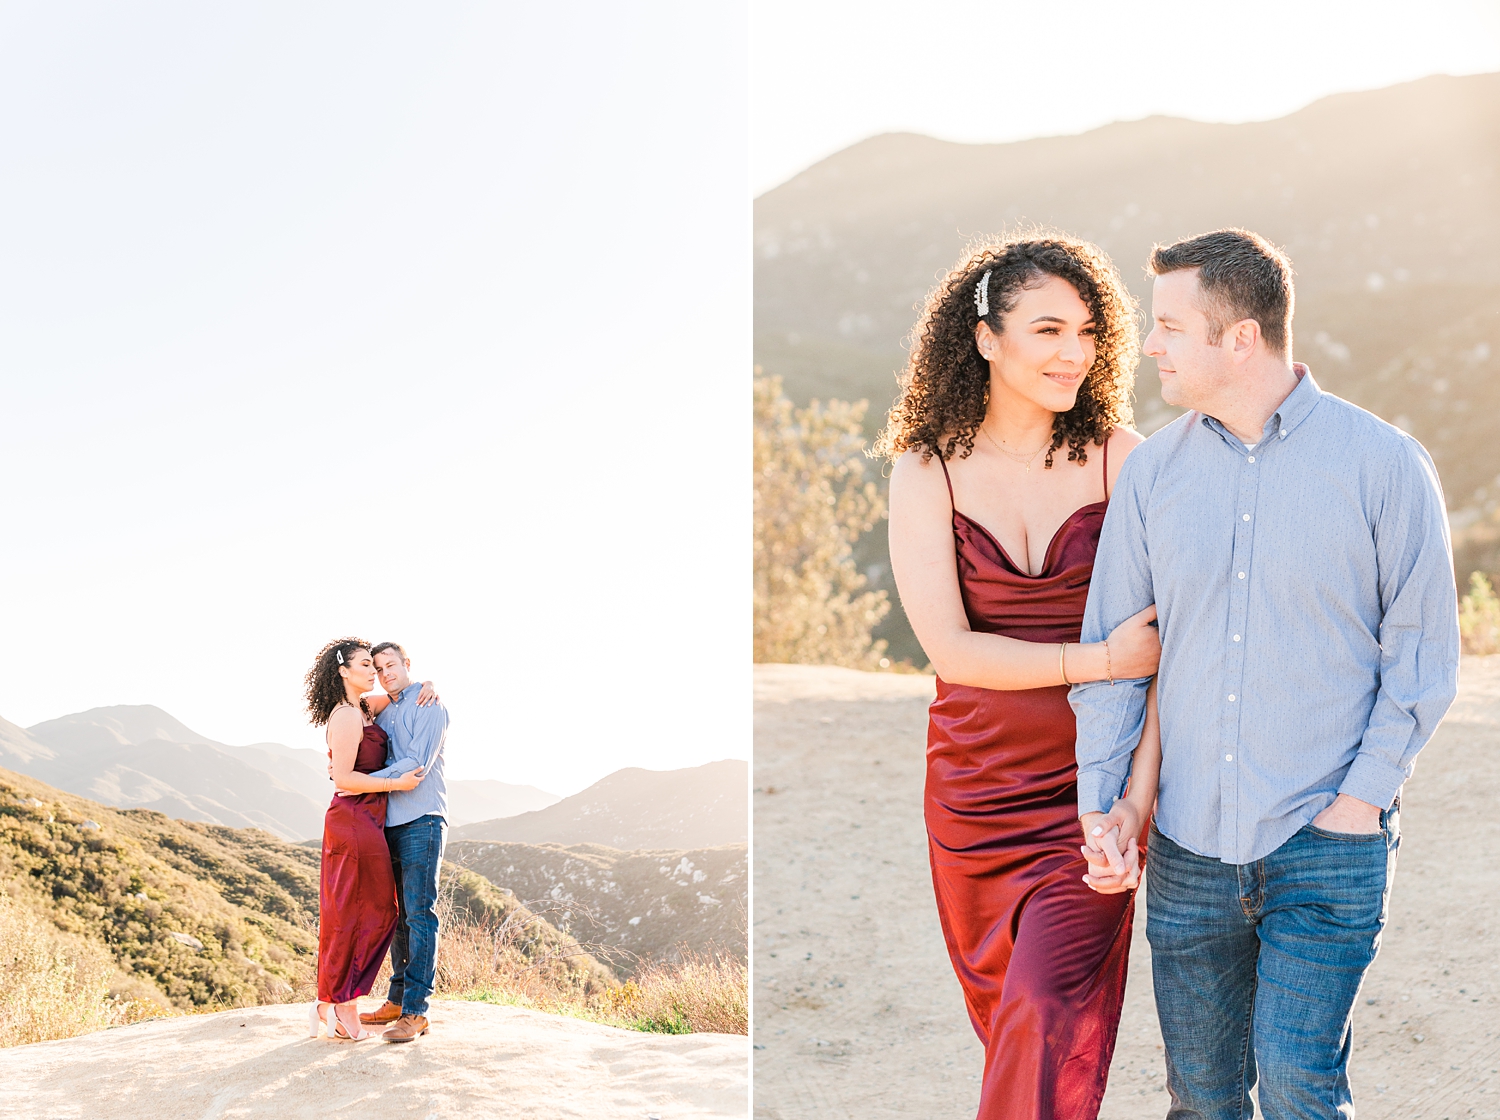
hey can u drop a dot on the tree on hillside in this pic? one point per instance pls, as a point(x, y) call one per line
point(812, 502)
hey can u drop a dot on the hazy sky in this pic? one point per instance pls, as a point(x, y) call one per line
point(833, 72)
point(426, 322)
point(430, 322)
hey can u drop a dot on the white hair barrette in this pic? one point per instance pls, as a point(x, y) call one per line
point(340, 655)
point(982, 295)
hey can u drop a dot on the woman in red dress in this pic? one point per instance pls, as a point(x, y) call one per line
point(357, 893)
point(1026, 350)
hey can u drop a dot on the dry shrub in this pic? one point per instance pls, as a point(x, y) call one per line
point(52, 986)
point(494, 960)
point(1479, 617)
point(516, 953)
point(812, 503)
point(700, 993)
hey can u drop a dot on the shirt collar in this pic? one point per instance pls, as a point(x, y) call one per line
point(1292, 411)
point(1299, 402)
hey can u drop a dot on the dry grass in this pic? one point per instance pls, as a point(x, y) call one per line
point(481, 951)
point(701, 993)
point(480, 959)
point(1479, 617)
point(54, 987)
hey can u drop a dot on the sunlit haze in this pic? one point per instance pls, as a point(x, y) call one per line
point(829, 74)
point(414, 322)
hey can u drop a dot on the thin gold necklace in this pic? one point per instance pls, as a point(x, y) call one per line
point(1023, 459)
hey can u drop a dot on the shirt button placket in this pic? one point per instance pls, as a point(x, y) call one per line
point(1239, 604)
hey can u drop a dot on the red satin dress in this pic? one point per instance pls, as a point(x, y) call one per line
point(357, 892)
point(1040, 956)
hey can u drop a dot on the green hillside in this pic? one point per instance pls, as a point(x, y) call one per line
point(198, 915)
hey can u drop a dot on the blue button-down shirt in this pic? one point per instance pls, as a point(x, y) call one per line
point(1309, 621)
point(416, 736)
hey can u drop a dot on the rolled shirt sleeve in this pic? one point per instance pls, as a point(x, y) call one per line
point(397, 768)
point(1419, 639)
point(1110, 717)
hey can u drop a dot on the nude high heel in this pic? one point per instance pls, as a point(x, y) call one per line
point(314, 1020)
point(339, 1030)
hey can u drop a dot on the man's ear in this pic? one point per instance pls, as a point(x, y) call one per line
point(1243, 337)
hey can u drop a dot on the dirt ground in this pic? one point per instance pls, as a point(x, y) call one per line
point(856, 1010)
point(479, 1060)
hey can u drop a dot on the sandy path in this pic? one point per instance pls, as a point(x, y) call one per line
point(856, 1007)
point(479, 1060)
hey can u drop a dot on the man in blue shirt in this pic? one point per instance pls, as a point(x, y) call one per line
point(416, 830)
point(1296, 548)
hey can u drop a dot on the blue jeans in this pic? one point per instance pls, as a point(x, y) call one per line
point(416, 856)
point(1257, 968)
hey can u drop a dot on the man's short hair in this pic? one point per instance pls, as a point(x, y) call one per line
point(386, 647)
point(1242, 276)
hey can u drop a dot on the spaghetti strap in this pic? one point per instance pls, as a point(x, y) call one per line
point(949, 480)
point(1106, 466)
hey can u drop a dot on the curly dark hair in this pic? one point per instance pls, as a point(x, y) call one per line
point(324, 686)
point(945, 387)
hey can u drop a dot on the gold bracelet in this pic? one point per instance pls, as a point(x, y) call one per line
point(1062, 665)
point(1109, 668)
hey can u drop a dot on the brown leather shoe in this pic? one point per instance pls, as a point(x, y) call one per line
point(406, 1028)
point(387, 1012)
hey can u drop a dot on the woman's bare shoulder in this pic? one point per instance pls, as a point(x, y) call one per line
point(917, 484)
point(345, 715)
point(911, 470)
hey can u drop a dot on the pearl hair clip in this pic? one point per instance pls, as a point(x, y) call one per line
point(982, 295)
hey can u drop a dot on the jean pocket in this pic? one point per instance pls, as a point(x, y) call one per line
point(1377, 837)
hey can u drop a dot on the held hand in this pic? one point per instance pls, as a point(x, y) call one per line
point(1348, 814)
point(412, 780)
point(427, 696)
point(1112, 868)
point(1135, 646)
point(1102, 880)
point(1123, 817)
point(1101, 843)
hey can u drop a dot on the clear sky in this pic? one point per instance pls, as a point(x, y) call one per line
point(426, 322)
point(828, 74)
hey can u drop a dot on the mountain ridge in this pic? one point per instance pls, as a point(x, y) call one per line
point(692, 807)
point(138, 755)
